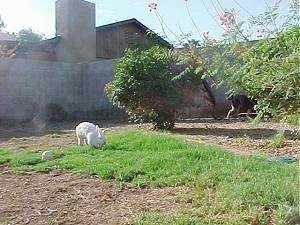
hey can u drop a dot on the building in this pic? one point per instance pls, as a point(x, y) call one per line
point(7, 42)
point(78, 40)
point(113, 39)
point(7, 38)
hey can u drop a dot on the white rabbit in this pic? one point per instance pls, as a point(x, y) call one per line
point(90, 134)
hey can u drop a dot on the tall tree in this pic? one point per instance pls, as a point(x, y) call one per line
point(29, 36)
point(1, 23)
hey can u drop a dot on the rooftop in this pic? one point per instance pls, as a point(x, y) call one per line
point(4, 36)
point(136, 23)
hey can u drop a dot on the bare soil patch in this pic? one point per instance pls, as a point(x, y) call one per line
point(240, 137)
point(65, 198)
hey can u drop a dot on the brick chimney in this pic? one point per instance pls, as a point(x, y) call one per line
point(75, 24)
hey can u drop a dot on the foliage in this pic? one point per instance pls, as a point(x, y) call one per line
point(269, 72)
point(278, 140)
point(266, 69)
point(195, 67)
point(28, 36)
point(6, 52)
point(191, 58)
point(1, 23)
point(144, 86)
point(245, 190)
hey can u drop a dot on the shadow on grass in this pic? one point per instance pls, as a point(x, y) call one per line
point(256, 133)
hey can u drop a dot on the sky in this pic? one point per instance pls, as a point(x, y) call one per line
point(40, 14)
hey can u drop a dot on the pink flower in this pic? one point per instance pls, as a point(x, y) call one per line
point(210, 39)
point(152, 6)
point(214, 41)
point(227, 19)
point(260, 32)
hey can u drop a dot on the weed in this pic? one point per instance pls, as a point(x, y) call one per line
point(278, 140)
point(54, 135)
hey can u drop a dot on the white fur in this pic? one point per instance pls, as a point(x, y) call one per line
point(90, 134)
point(47, 155)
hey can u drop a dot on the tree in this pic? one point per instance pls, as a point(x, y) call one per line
point(269, 72)
point(266, 69)
point(27, 36)
point(144, 86)
point(1, 23)
point(6, 52)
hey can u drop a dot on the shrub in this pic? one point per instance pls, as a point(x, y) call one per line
point(144, 86)
point(270, 73)
point(258, 56)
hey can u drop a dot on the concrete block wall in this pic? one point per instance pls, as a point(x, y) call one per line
point(27, 87)
point(95, 77)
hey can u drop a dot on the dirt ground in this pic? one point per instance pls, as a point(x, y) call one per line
point(60, 197)
point(64, 198)
point(240, 137)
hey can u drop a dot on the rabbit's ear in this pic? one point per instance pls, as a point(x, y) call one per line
point(98, 129)
point(104, 130)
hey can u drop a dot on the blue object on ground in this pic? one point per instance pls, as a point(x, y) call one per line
point(283, 159)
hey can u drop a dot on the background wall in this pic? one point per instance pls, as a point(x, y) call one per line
point(29, 88)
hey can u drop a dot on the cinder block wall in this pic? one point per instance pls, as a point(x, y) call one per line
point(95, 76)
point(27, 87)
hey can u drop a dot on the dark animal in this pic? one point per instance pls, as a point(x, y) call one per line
point(241, 103)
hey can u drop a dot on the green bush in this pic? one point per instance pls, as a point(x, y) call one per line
point(270, 73)
point(144, 86)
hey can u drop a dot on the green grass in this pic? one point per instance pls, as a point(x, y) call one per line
point(230, 189)
point(54, 135)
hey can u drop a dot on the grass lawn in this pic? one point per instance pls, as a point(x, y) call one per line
point(229, 189)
